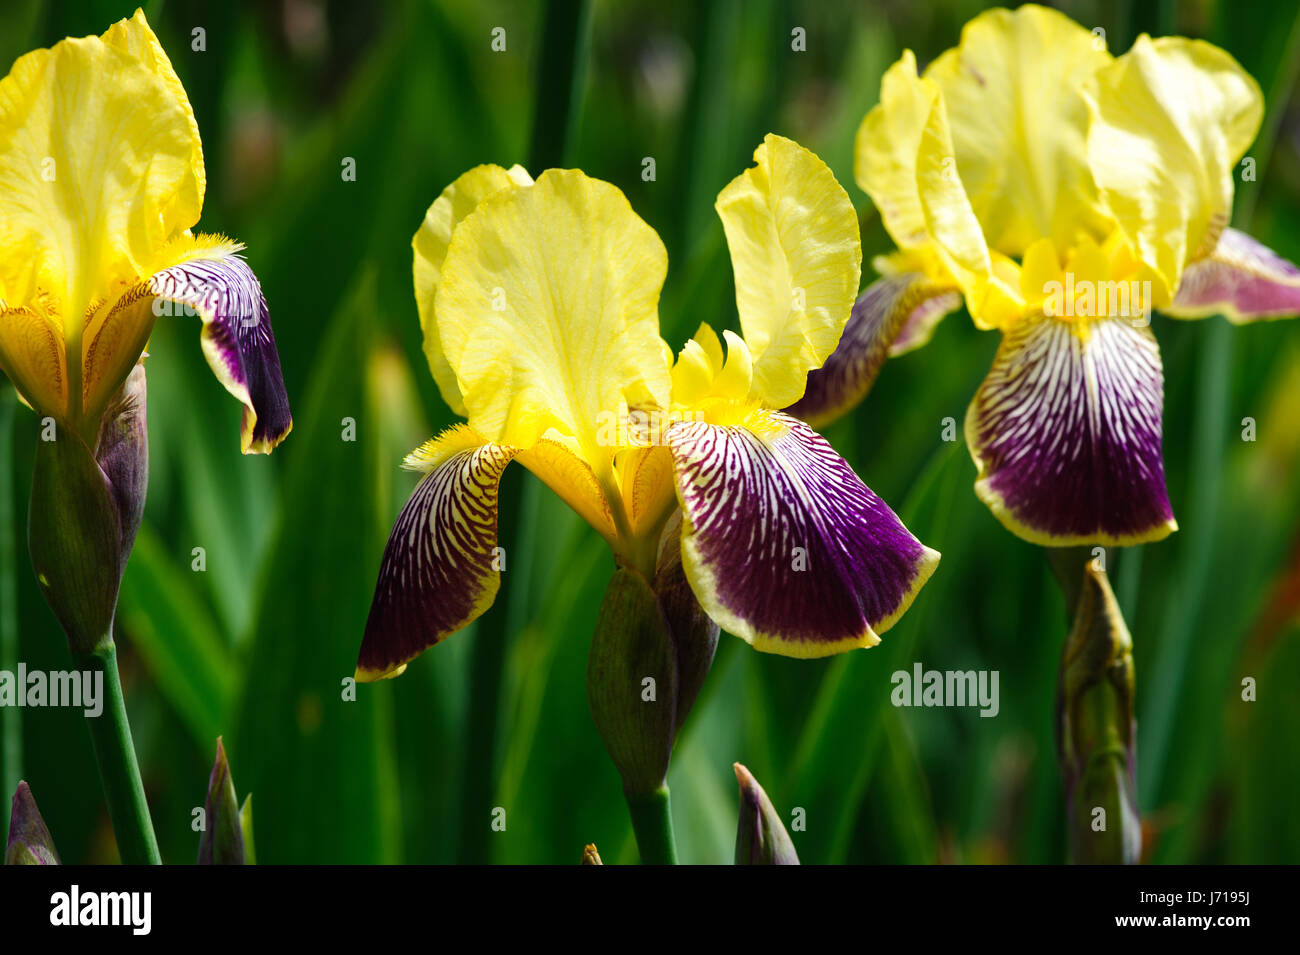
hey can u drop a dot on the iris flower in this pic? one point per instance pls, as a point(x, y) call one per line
point(1062, 193)
point(539, 306)
point(101, 182)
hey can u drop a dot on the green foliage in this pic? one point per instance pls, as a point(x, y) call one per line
point(256, 648)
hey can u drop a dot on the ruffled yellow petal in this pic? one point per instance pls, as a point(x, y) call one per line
point(430, 246)
point(548, 312)
point(100, 165)
point(1019, 125)
point(904, 160)
point(793, 236)
point(1171, 119)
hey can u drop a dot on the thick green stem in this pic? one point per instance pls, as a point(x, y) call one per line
point(652, 821)
point(118, 768)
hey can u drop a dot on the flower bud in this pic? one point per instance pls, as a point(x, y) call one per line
point(29, 839)
point(632, 682)
point(223, 841)
point(85, 510)
point(590, 856)
point(761, 838)
point(1096, 729)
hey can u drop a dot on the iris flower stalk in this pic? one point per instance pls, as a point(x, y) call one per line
point(538, 301)
point(101, 183)
point(1061, 193)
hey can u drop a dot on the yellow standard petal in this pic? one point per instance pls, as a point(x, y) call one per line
point(793, 236)
point(430, 246)
point(100, 165)
point(904, 160)
point(548, 313)
point(1171, 119)
point(1019, 125)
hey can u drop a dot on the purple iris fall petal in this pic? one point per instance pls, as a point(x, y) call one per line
point(440, 569)
point(784, 544)
point(1066, 433)
point(1242, 279)
point(894, 315)
point(238, 340)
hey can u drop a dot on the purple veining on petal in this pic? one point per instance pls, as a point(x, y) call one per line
point(1066, 431)
point(894, 315)
point(439, 570)
point(237, 339)
point(797, 551)
point(1242, 279)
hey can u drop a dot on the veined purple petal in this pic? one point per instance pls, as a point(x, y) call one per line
point(783, 544)
point(894, 315)
point(441, 568)
point(1241, 280)
point(238, 340)
point(1066, 433)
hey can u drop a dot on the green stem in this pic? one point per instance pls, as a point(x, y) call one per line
point(652, 821)
point(118, 768)
point(11, 726)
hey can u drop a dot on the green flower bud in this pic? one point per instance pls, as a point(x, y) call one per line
point(632, 682)
point(29, 839)
point(652, 649)
point(761, 838)
point(223, 841)
point(85, 510)
point(1096, 729)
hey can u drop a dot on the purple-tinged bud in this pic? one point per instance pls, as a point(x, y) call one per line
point(761, 838)
point(223, 840)
point(29, 838)
point(694, 634)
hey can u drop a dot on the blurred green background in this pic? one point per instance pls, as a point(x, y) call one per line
point(256, 647)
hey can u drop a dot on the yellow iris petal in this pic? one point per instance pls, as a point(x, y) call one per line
point(1019, 125)
point(548, 312)
point(904, 160)
point(100, 165)
point(430, 246)
point(793, 236)
point(1171, 119)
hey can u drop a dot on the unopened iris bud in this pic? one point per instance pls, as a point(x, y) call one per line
point(1096, 728)
point(590, 856)
point(29, 838)
point(652, 649)
point(761, 838)
point(632, 682)
point(85, 510)
point(227, 833)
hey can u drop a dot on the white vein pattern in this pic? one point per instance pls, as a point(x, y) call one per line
point(1066, 430)
point(237, 337)
point(751, 499)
